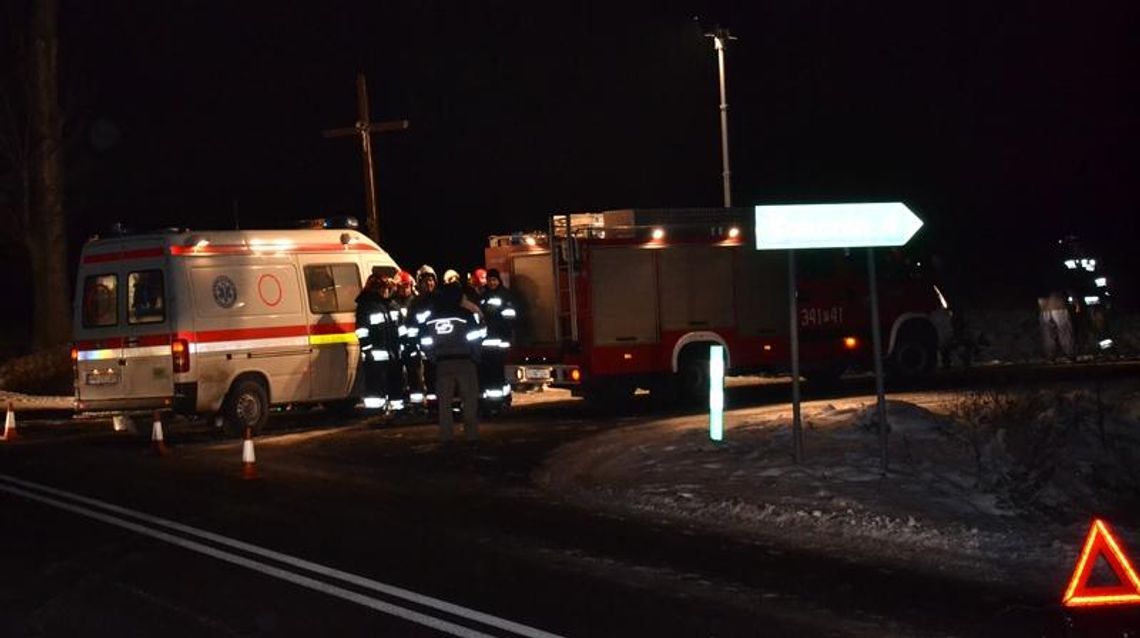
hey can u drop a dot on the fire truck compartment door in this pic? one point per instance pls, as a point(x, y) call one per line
point(533, 282)
point(623, 284)
point(762, 292)
point(697, 287)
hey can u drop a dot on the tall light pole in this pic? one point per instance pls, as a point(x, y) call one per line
point(720, 37)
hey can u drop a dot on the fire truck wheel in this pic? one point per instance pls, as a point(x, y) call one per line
point(246, 405)
point(914, 354)
point(693, 378)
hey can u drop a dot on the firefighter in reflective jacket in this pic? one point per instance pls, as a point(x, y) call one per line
point(377, 318)
point(407, 333)
point(500, 312)
point(451, 338)
point(421, 373)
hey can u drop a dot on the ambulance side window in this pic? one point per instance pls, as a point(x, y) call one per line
point(146, 301)
point(100, 301)
point(332, 288)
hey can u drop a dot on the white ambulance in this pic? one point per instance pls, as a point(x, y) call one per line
point(224, 322)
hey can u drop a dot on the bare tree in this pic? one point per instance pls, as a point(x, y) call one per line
point(31, 140)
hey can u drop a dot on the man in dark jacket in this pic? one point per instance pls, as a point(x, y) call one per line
point(451, 338)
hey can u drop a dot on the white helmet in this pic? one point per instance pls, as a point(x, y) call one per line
point(424, 271)
point(450, 277)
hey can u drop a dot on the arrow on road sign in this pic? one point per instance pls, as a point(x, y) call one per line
point(834, 225)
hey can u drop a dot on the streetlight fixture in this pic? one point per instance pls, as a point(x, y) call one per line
point(721, 37)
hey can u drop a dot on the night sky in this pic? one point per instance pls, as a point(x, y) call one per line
point(1003, 124)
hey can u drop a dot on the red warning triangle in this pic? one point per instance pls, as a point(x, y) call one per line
point(1100, 542)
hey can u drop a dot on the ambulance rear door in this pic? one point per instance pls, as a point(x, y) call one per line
point(147, 358)
point(99, 337)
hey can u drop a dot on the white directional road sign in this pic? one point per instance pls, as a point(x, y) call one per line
point(834, 225)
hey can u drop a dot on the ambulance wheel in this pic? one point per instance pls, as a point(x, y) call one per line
point(246, 406)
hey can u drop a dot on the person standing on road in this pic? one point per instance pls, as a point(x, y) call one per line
point(500, 312)
point(409, 344)
point(421, 375)
point(452, 338)
point(371, 320)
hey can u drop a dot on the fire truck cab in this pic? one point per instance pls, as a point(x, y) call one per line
point(219, 322)
point(618, 300)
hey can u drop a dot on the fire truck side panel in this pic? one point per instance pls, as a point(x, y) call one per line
point(760, 293)
point(696, 288)
point(623, 296)
point(263, 330)
point(532, 282)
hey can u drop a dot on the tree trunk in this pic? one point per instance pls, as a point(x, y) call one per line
point(46, 235)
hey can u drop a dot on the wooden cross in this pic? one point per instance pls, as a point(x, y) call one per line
point(364, 129)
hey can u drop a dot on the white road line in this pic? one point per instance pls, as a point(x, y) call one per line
point(360, 581)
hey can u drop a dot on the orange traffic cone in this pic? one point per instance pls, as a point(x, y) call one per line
point(248, 459)
point(156, 442)
point(10, 424)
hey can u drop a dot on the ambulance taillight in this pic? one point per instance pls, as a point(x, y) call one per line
point(180, 350)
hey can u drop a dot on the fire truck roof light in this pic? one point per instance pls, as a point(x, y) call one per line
point(850, 343)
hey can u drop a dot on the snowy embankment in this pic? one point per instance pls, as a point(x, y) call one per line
point(21, 402)
point(993, 486)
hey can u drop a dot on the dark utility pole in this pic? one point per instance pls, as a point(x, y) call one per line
point(365, 129)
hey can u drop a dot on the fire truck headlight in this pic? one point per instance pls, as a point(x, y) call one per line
point(850, 343)
point(658, 234)
point(733, 233)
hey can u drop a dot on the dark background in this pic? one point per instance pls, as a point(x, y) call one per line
point(1005, 125)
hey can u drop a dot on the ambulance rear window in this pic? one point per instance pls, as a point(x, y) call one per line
point(332, 287)
point(146, 302)
point(100, 301)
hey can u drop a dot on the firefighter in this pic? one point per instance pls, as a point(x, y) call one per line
point(421, 375)
point(477, 283)
point(500, 313)
point(1088, 296)
point(451, 338)
point(376, 333)
point(406, 330)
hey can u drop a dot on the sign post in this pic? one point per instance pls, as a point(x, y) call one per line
point(803, 226)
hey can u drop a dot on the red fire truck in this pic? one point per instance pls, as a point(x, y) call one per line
point(619, 300)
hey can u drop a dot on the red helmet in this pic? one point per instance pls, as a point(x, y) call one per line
point(479, 276)
point(404, 278)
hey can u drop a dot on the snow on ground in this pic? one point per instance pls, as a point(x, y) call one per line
point(995, 487)
point(20, 402)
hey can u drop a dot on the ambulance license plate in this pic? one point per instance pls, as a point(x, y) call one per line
point(103, 378)
point(537, 373)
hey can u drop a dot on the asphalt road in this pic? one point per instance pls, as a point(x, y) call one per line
point(357, 529)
